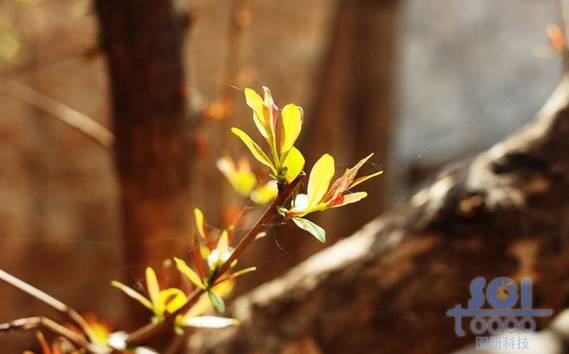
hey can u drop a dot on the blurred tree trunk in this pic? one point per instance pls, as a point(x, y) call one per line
point(143, 40)
point(503, 214)
point(354, 107)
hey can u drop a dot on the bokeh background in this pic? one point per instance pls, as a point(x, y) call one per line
point(422, 83)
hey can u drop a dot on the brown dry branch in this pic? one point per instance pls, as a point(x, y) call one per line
point(63, 113)
point(505, 212)
point(39, 323)
point(49, 300)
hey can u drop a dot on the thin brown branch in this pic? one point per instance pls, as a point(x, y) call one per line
point(47, 299)
point(31, 323)
point(143, 334)
point(63, 113)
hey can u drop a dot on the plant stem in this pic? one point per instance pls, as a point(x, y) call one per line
point(143, 334)
point(49, 300)
point(54, 328)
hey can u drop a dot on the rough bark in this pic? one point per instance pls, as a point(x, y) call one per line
point(142, 40)
point(386, 289)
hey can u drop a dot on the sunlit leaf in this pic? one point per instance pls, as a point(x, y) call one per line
point(319, 180)
point(311, 227)
point(209, 322)
point(343, 183)
point(223, 244)
point(294, 163)
point(172, 299)
point(242, 179)
point(269, 108)
point(292, 125)
point(203, 304)
point(265, 193)
point(200, 225)
point(242, 272)
point(189, 273)
point(133, 294)
point(154, 290)
point(256, 103)
point(216, 301)
point(244, 182)
point(362, 179)
point(99, 331)
point(254, 148)
point(348, 199)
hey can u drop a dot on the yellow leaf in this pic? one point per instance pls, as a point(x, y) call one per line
point(241, 179)
point(244, 182)
point(254, 148)
point(362, 179)
point(294, 163)
point(292, 124)
point(224, 288)
point(189, 273)
point(204, 304)
point(201, 306)
point(130, 292)
point(204, 252)
point(154, 290)
point(349, 199)
point(265, 193)
point(200, 222)
point(243, 272)
point(172, 299)
point(223, 244)
point(256, 103)
point(319, 180)
point(270, 119)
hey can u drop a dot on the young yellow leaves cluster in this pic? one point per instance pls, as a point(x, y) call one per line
point(208, 257)
point(159, 301)
point(244, 181)
point(320, 195)
point(280, 134)
point(286, 162)
point(165, 301)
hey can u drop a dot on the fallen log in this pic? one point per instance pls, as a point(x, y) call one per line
point(387, 288)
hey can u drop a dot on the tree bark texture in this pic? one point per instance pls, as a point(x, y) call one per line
point(387, 288)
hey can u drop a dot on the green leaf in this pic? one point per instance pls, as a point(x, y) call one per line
point(216, 301)
point(311, 227)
